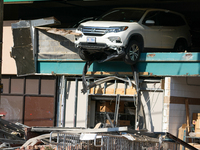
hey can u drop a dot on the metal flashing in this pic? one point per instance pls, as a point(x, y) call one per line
point(156, 64)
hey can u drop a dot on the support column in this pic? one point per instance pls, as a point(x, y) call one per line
point(1, 41)
point(166, 107)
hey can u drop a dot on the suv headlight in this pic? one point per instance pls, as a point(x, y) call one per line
point(116, 29)
point(80, 28)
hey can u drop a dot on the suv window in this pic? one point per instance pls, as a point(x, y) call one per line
point(162, 18)
point(170, 19)
point(126, 15)
point(153, 15)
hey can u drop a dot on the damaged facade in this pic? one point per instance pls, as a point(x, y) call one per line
point(155, 92)
point(49, 71)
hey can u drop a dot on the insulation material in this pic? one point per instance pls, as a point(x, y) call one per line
point(22, 51)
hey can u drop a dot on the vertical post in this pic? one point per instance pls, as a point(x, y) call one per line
point(61, 107)
point(116, 110)
point(63, 100)
point(187, 115)
point(75, 104)
point(34, 42)
point(136, 78)
point(1, 39)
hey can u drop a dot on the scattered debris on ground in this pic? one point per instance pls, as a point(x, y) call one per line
point(20, 137)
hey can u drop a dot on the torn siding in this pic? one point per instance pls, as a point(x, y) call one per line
point(22, 51)
point(25, 49)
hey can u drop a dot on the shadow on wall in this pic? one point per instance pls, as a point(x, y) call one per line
point(53, 46)
point(150, 103)
point(148, 110)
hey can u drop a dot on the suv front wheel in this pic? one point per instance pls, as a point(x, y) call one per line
point(84, 55)
point(133, 51)
point(180, 46)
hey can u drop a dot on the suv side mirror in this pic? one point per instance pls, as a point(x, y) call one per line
point(149, 22)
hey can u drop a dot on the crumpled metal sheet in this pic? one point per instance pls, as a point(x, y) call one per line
point(100, 81)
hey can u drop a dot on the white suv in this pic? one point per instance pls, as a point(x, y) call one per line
point(126, 32)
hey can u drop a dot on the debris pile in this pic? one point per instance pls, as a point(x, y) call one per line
point(18, 137)
point(11, 134)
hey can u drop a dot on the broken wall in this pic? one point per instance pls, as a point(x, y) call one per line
point(182, 88)
point(151, 96)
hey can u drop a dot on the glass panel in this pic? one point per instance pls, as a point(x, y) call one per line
point(12, 108)
point(39, 111)
point(17, 86)
point(32, 86)
point(5, 83)
point(47, 86)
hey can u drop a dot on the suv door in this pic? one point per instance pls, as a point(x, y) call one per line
point(152, 31)
point(172, 28)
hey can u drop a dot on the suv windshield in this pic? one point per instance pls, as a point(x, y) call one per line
point(125, 15)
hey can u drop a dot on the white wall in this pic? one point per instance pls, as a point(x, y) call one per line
point(153, 107)
point(177, 116)
point(70, 105)
point(182, 87)
point(185, 87)
point(82, 107)
point(8, 63)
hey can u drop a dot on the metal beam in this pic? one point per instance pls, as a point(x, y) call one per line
point(155, 64)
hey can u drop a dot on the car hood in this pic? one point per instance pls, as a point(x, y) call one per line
point(106, 23)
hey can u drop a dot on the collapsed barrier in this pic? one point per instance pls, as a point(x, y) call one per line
point(88, 141)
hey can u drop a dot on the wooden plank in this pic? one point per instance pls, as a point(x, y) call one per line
point(187, 115)
point(143, 73)
point(129, 91)
point(163, 84)
point(120, 91)
point(110, 91)
point(181, 100)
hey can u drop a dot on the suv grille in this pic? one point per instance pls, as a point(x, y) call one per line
point(96, 31)
point(93, 46)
